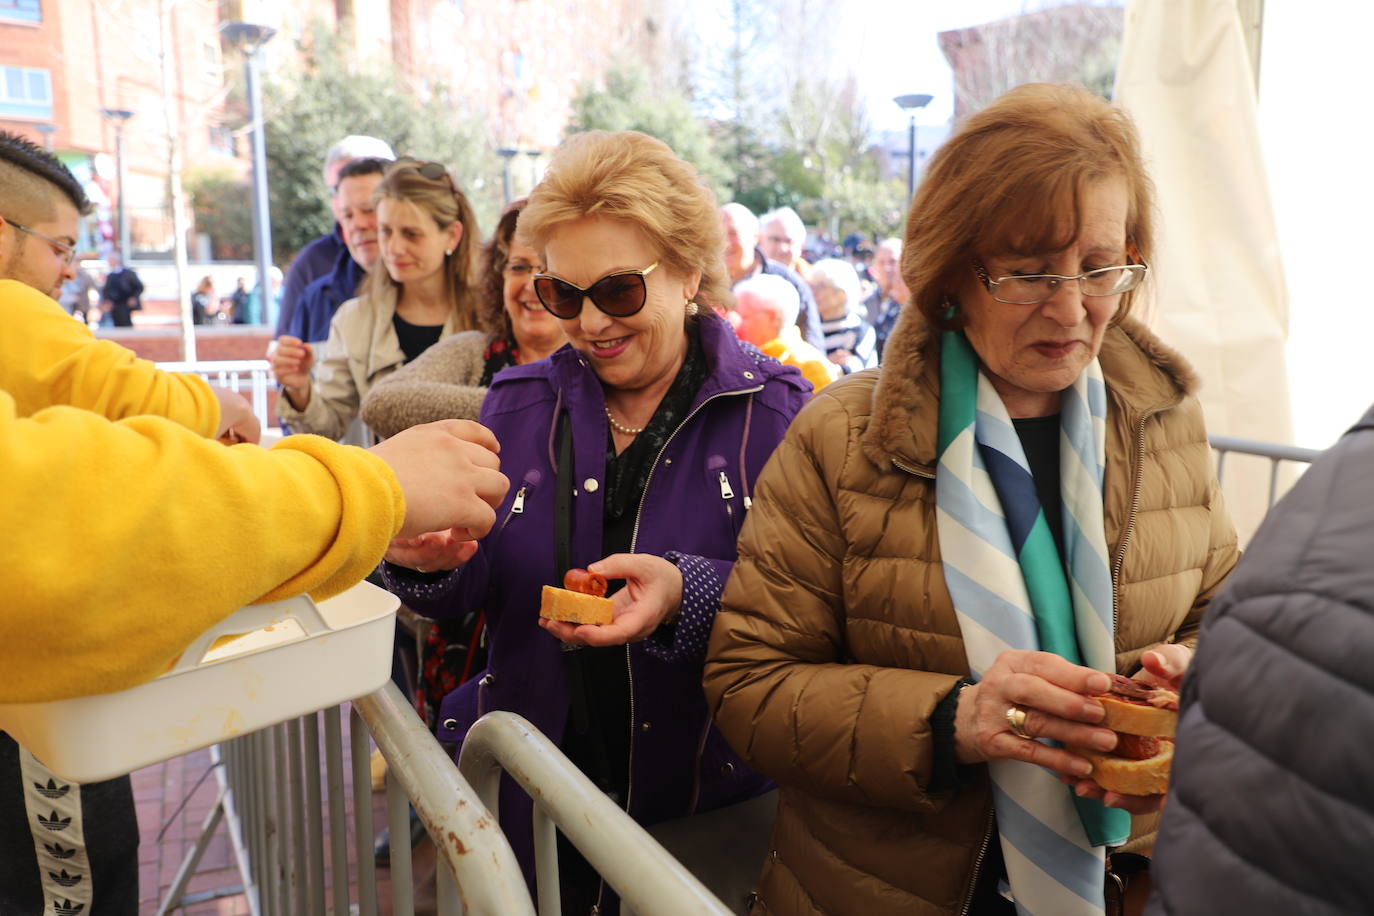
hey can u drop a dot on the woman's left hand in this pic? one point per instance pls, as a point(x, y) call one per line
point(652, 593)
point(1164, 666)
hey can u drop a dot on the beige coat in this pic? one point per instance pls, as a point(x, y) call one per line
point(836, 636)
point(362, 349)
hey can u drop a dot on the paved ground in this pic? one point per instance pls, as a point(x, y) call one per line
point(168, 834)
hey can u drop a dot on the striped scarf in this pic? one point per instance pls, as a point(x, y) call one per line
point(1010, 591)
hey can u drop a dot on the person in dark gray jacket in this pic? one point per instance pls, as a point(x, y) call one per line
point(1271, 808)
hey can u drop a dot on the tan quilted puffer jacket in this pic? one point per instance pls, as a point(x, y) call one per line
point(836, 638)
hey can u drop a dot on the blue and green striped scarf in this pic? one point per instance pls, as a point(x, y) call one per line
point(1011, 591)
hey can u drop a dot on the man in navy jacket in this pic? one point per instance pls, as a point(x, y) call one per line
point(319, 257)
point(358, 225)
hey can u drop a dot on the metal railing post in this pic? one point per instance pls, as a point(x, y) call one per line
point(338, 824)
point(465, 833)
point(314, 837)
point(647, 878)
point(360, 755)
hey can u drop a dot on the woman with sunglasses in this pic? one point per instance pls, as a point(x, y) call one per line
point(952, 553)
point(420, 292)
point(632, 453)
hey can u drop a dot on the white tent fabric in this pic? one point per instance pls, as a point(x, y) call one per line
point(1314, 67)
point(1219, 294)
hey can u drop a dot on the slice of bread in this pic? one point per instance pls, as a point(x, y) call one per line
point(1136, 718)
point(573, 607)
point(1131, 777)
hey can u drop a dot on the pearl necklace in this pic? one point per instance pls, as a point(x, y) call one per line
point(622, 428)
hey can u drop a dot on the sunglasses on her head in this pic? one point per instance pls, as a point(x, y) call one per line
point(433, 171)
point(619, 295)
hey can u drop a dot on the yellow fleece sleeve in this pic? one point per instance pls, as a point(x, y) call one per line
point(120, 542)
point(48, 359)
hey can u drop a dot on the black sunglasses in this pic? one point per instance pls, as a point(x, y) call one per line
point(433, 171)
point(619, 295)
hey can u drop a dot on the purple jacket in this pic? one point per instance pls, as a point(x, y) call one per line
point(691, 513)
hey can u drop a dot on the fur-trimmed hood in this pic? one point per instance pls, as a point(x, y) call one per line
point(1143, 374)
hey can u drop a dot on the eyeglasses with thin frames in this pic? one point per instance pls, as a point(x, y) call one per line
point(620, 294)
point(1032, 289)
point(520, 270)
point(64, 251)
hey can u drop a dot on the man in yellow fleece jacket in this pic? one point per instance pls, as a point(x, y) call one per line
point(106, 576)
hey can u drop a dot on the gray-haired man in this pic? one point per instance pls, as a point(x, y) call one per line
point(317, 258)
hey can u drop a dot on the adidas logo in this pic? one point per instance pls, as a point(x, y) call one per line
point(67, 908)
point(51, 790)
point(57, 852)
point(54, 821)
point(65, 879)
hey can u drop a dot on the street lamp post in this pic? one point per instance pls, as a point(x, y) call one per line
point(47, 130)
point(912, 104)
point(249, 39)
point(506, 154)
point(118, 117)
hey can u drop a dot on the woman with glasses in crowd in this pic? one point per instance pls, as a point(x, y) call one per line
point(948, 555)
point(632, 453)
point(421, 291)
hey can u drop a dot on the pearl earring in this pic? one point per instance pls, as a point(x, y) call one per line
point(691, 308)
point(448, 251)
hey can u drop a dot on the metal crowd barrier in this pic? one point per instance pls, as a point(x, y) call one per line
point(284, 805)
point(647, 878)
point(1275, 453)
point(254, 375)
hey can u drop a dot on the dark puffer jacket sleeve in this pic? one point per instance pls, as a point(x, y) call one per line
point(1270, 810)
point(782, 692)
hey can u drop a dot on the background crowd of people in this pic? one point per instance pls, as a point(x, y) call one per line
point(879, 527)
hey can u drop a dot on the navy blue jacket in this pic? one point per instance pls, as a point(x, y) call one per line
point(322, 299)
point(314, 261)
point(1270, 809)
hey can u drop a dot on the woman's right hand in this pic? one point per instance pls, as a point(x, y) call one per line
point(434, 551)
point(292, 359)
point(1057, 697)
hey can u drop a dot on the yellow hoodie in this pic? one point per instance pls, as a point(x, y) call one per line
point(125, 532)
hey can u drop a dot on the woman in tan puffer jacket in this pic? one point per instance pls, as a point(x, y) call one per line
point(838, 665)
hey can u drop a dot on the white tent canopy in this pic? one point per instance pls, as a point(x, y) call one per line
point(1187, 77)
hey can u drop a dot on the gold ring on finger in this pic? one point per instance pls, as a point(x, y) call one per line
point(1016, 721)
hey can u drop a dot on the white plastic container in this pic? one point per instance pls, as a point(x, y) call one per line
point(263, 664)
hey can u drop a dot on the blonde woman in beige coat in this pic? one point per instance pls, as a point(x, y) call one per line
point(421, 292)
point(838, 665)
point(450, 380)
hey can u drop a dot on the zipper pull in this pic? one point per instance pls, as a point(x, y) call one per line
point(518, 506)
point(725, 491)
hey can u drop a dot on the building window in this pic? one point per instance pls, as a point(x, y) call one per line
point(22, 10)
point(223, 141)
point(25, 93)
